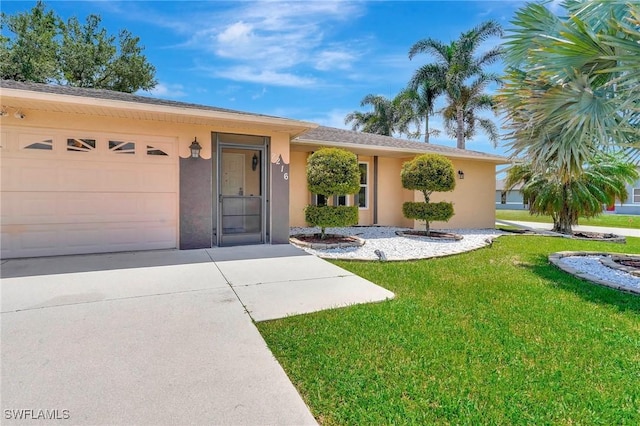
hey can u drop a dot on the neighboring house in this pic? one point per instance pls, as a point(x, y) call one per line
point(88, 171)
point(511, 199)
point(632, 205)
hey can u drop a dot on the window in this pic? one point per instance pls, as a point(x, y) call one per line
point(340, 200)
point(321, 200)
point(151, 150)
point(363, 194)
point(120, 147)
point(636, 195)
point(81, 145)
point(318, 200)
point(46, 145)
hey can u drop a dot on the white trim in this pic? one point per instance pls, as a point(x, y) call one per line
point(380, 148)
point(634, 195)
point(132, 105)
point(366, 186)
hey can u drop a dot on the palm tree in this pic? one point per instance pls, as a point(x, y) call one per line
point(457, 72)
point(420, 102)
point(602, 183)
point(387, 117)
point(471, 100)
point(573, 84)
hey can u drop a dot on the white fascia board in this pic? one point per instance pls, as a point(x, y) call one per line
point(147, 107)
point(496, 160)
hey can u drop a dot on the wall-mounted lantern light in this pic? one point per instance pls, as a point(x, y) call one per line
point(460, 174)
point(254, 162)
point(195, 148)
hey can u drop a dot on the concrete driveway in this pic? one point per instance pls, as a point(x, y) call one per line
point(161, 337)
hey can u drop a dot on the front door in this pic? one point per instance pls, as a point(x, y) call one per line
point(241, 189)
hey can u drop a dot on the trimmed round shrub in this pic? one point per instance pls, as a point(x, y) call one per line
point(429, 212)
point(333, 171)
point(329, 216)
point(428, 173)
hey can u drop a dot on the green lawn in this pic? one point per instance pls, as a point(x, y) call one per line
point(495, 336)
point(613, 220)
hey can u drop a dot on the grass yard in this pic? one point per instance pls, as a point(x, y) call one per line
point(495, 336)
point(612, 220)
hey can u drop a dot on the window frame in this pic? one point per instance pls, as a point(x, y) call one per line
point(314, 200)
point(365, 186)
point(635, 193)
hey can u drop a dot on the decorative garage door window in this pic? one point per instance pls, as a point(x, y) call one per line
point(151, 150)
point(81, 145)
point(46, 145)
point(120, 147)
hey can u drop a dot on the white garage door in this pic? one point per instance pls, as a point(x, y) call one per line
point(77, 192)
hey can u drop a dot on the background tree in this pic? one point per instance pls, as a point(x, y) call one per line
point(461, 77)
point(32, 53)
point(428, 173)
point(570, 94)
point(387, 117)
point(572, 87)
point(417, 104)
point(44, 49)
point(332, 171)
point(602, 182)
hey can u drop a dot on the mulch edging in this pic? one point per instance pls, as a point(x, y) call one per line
point(555, 259)
point(345, 241)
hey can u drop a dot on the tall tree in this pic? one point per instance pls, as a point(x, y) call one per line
point(43, 49)
point(32, 53)
point(572, 87)
point(418, 103)
point(387, 117)
point(571, 93)
point(459, 71)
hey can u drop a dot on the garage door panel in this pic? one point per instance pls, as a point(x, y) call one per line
point(51, 208)
point(56, 239)
point(23, 174)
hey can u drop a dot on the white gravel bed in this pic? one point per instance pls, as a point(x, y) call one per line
point(395, 247)
point(592, 265)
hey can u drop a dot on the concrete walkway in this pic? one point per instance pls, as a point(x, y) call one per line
point(159, 337)
point(627, 232)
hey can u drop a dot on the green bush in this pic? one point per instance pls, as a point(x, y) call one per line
point(428, 173)
point(326, 216)
point(333, 171)
point(428, 212)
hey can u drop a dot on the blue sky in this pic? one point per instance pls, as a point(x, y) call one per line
point(312, 61)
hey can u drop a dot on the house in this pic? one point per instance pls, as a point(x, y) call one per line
point(88, 171)
point(511, 199)
point(632, 205)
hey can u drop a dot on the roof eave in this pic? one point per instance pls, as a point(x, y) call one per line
point(300, 126)
point(491, 159)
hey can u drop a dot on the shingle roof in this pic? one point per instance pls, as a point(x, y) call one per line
point(115, 96)
point(336, 136)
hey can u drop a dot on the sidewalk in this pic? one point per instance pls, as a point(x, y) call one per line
point(627, 232)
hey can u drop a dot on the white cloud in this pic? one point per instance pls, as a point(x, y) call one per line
point(269, 77)
point(331, 60)
point(270, 42)
point(332, 118)
point(167, 90)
